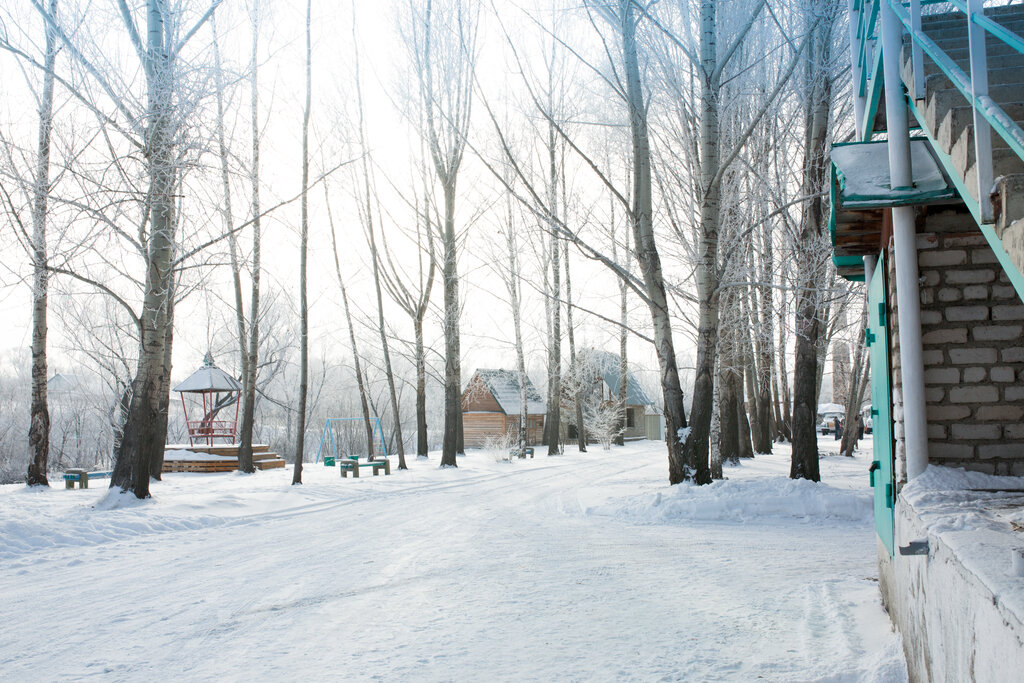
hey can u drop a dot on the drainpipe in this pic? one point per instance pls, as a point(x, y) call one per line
point(915, 432)
point(869, 272)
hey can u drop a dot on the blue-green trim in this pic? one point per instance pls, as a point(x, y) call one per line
point(877, 338)
point(873, 96)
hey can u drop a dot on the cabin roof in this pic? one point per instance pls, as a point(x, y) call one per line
point(607, 364)
point(504, 387)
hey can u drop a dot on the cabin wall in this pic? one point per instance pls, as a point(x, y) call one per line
point(636, 424)
point(477, 398)
point(972, 325)
point(477, 428)
point(534, 427)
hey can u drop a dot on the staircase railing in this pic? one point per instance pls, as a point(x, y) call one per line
point(988, 115)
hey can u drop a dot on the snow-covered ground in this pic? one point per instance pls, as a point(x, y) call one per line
point(578, 567)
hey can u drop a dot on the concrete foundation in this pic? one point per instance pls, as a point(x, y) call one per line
point(949, 605)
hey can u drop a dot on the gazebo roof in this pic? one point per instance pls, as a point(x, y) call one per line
point(208, 378)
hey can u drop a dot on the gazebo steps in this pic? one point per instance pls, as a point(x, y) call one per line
point(216, 458)
point(217, 465)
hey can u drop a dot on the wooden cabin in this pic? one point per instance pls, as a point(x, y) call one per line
point(491, 408)
point(604, 366)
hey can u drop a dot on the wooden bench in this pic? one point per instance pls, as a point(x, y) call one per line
point(354, 464)
point(82, 477)
point(528, 451)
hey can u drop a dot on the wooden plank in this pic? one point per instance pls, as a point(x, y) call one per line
point(269, 464)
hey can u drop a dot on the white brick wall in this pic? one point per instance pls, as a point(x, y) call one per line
point(973, 335)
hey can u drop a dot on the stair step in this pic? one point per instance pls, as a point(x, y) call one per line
point(997, 77)
point(952, 125)
point(931, 68)
point(1003, 15)
point(1009, 200)
point(963, 151)
point(957, 31)
point(939, 102)
point(960, 53)
point(956, 39)
point(1004, 162)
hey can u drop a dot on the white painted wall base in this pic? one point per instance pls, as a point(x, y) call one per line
point(954, 627)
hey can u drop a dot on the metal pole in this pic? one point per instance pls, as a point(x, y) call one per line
point(915, 431)
point(869, 271)
point(982, 131)
point(188, 427)
point(916, 53)
point(858, 96)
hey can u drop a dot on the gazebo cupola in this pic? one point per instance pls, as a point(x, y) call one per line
point(215, 390)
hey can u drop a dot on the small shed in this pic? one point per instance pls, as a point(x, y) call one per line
point(491, 408)
point(655, 424)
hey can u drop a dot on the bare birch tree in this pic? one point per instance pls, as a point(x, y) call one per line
point(245, 463)
point(356, 363)
point(300, 432)
point(39, 424)
point(812, 258)
point(442, 41)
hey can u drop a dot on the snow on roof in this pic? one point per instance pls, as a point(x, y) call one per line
point(209, 378)
point(65, 383)
point(862, 169)
point(608, 367)
point(827, 408)
point(504, 386)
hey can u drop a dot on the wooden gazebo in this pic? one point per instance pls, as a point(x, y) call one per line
point(214, 388)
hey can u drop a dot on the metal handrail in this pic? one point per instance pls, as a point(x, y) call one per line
point(987, 23)
point(988, 115)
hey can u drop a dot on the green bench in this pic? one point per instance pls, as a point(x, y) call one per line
point(528, 451)
point(355, 464)
point(83, 477)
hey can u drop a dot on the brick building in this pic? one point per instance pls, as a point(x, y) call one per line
point(933, 222)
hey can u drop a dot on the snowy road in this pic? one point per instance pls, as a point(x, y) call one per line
point(580, 567)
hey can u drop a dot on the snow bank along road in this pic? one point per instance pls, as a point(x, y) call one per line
point(578, 567)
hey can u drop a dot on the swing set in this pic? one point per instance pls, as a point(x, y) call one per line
point(332, 438)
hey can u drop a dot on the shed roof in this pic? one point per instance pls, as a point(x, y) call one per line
point(65, 383)
point(504, 387)
point(607, 364)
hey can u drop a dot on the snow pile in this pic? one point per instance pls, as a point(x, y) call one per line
point(953, 499)
point(185, 454)
point(118, 517)
point(746, 501)
point(946, 479)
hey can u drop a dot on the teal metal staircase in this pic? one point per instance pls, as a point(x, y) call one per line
point(962, 65)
